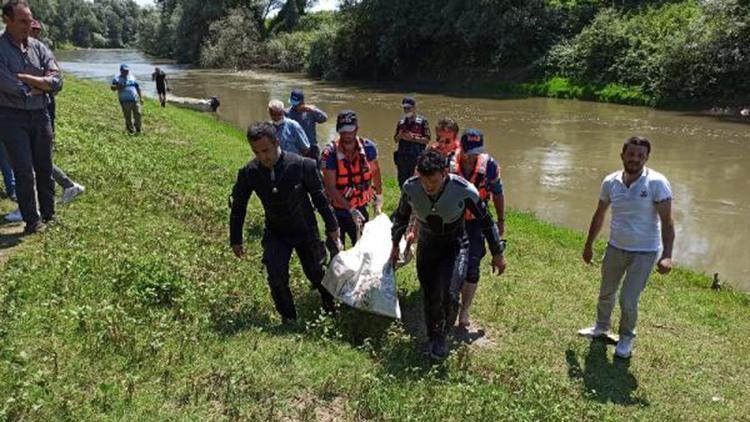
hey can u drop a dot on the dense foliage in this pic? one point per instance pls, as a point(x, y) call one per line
point(665, 52)
point(97, 23)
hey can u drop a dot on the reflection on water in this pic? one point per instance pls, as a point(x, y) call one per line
point(554, 153)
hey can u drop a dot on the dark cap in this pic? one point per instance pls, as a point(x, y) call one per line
point(472, 142)
point(346, 121)
point(408, 102)
point(296, 97)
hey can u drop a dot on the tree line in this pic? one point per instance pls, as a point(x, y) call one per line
point(82, 23)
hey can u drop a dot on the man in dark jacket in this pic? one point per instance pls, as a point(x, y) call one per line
point(288, 186)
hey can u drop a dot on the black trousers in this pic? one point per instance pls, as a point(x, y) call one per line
point(277, 252)
point(406, 164)
point(441, 269)
point(28, 141)
point(348, 227)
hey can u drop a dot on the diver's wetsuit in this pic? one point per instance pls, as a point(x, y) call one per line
point(285, 194)
point(442, 248)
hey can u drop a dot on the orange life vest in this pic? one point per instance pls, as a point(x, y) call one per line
point(478, 177)
point(353, 177)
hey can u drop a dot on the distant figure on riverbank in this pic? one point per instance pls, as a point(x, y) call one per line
point(131, 99)
point(290, 134)
point(307, 116)
point(29, 73)
point(412, 136)
point(641, 225)
point(162, 85)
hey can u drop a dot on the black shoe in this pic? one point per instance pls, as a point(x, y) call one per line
point(51, 220)
point(328, 305)
point(439, 349)
point(38, 227)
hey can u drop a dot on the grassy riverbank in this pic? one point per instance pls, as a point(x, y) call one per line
point(134, 308)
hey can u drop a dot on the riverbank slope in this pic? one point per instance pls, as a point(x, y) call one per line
point(133, 307)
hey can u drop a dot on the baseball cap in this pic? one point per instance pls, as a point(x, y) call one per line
point(346, 121)
point(124, 67)
point(408, 102)
point(296, 97)
point(472, 142)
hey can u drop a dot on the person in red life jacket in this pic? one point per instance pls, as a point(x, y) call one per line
point(412, 136)
point(481, 170)
point(351, 174)
point(447, 142)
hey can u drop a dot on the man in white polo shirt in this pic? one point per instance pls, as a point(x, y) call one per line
point(641, 226)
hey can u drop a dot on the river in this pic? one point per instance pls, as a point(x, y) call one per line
point(554, 153)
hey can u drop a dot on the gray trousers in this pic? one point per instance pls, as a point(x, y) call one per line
point(28, 141)
point(636, 267)
point(132, 111)
point(61, 178)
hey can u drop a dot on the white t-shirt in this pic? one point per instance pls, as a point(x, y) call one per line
point(636, 226)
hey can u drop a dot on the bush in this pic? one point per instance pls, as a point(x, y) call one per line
point(289, 52)
point(233, 42)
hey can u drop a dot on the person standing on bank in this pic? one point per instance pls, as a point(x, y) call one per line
point(28, 73)
point(307, 116)
point(291, 136)
point(351, 173)
point(412, 136)
point(162, 85)
point(131, 99)
point(70, 188)
point(641, 225)
point(286, 184)
point(439, 201)
point(481, 170)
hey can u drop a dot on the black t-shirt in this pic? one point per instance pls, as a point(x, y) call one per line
point(160, 77)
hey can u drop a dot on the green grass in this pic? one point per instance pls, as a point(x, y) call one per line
point(560, 87)
point(133, 308)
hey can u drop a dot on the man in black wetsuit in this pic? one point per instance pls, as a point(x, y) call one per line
point(439, 201)
point(161, 85)
point(285, 183)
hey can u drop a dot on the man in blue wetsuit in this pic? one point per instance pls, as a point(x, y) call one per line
point(439, 201)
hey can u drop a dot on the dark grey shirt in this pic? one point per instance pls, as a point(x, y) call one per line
point(36, 60)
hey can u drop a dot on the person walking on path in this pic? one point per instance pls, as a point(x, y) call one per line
point(351, 173)
point(641, 201)
point(447, 142)
point(288, 186)
point(307, 116)
point(131, 99)
point(439, 200)
point(162, 85)
point(483, 172)
point(291, 136)
point(28, 73)
point(412, 136)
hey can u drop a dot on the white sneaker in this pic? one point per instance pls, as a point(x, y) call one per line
point(624, 348)
point(15, 216)
point(592, 332)
point(70, 193)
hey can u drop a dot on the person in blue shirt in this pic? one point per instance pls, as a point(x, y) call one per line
point(129, 94)
point(307, 116)
point(290, 134)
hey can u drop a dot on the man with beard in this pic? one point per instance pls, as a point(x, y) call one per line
point(351, 173)
point(641, 225)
